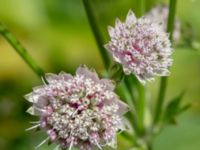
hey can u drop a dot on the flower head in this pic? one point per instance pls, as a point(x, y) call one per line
point(141, 46)
point(159, 14)
point(78, 111)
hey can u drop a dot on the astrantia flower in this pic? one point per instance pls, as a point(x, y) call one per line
point(79, 111)
point(159, 14)
point(141, 46)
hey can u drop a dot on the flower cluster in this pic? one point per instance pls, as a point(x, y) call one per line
point(159, 14)
point(141, 46)
point(79, 111)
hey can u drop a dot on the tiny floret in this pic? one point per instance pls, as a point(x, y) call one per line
point(142, 47)
point(79, 111)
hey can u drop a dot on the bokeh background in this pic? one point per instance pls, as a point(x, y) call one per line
point(58, 36)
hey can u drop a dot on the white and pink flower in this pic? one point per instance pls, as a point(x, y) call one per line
point(141, 46)
point(79, 111)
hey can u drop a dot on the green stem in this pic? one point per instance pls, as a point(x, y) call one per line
point(149, 146)
point(99, 39)
point(123, 91)
point(139, 101)
point(21, 50)
point(130, 86)
point(141, 108)
point(163, 83)
point(171, 18)
point(142, 7)
point(141, 90)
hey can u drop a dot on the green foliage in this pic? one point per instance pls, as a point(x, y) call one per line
point(174, 108)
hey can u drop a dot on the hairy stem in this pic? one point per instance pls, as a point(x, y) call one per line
point(94, 25)
point(163, 83)
point(21, 50)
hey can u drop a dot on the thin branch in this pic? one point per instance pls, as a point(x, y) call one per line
point(163, 83)
point(99, 39)
point(142, 7)
point(21, 50)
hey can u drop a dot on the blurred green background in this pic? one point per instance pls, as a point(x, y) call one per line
point(58, 36)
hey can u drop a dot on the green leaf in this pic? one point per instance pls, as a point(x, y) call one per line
point(173, 109)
